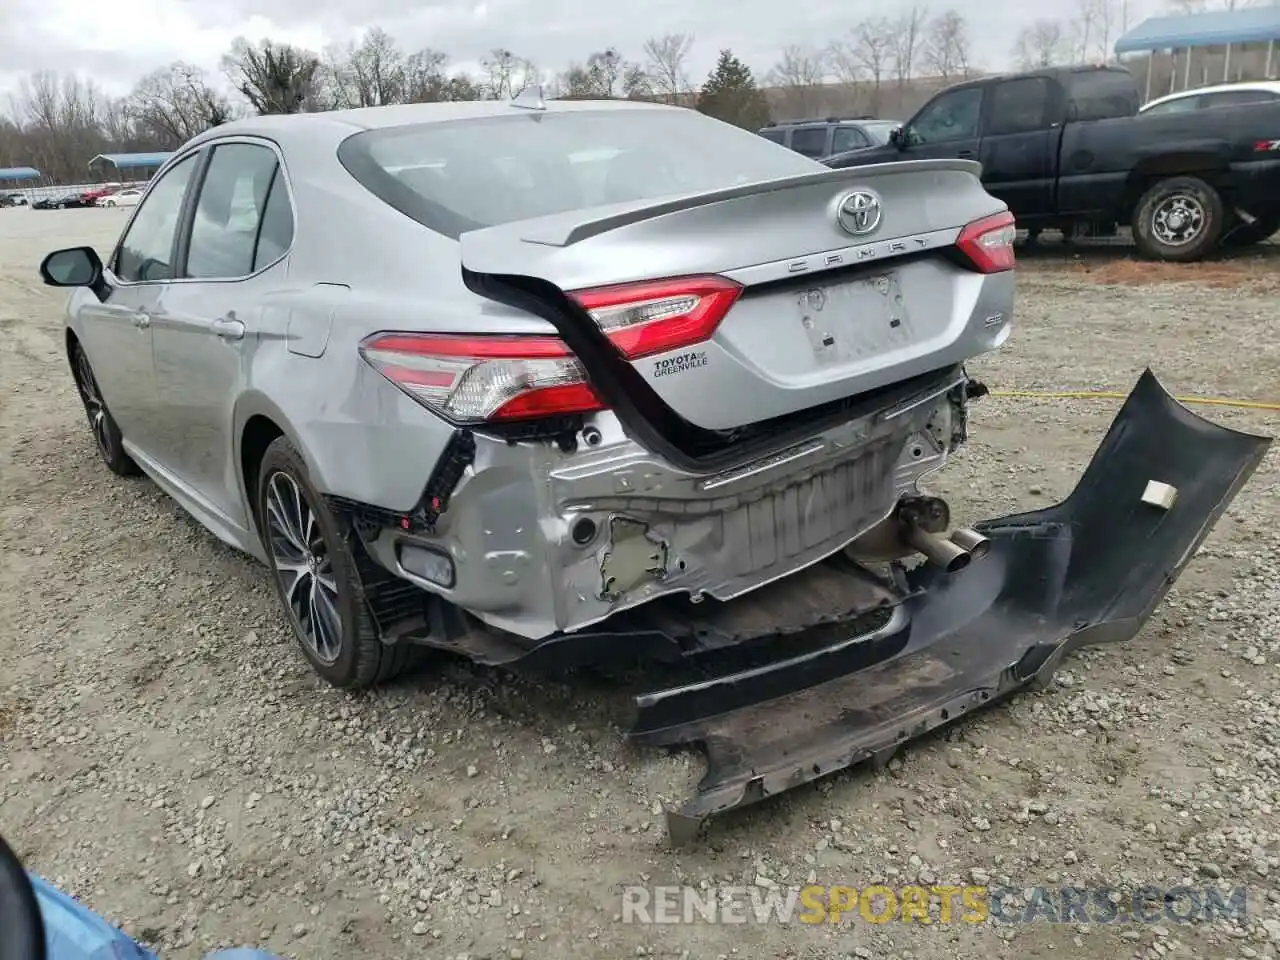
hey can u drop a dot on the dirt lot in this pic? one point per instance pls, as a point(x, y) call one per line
point(166, 755)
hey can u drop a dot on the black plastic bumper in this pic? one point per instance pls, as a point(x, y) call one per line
point(1088, 570)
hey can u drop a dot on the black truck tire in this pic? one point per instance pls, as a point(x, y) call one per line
point(1247, 234)
point(1178, 219)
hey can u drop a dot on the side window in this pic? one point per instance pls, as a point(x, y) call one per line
point(848, 138)
point(233, 197)
point(275, 233)
point(810, 141)
point(146, 250)
point(1236, 98)
point(1181, 105)
point(952, 116)
point(774, 134)
point(1019, 106)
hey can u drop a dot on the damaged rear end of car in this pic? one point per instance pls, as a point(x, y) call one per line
point(713, 453)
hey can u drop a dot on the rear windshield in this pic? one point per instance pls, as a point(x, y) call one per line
point(455, 176)
point(1102, 94)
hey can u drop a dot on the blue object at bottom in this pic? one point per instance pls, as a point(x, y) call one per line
point(74, 932)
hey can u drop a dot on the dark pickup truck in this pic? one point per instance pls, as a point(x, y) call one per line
point(1066, 149)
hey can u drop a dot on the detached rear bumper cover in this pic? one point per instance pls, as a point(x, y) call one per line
point(1089, 570)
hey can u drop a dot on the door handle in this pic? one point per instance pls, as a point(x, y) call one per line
point(228, 329)
point(141, 321)
point(965, 154)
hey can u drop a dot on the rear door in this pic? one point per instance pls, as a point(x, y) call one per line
point(949, 125)
point(1019, 147)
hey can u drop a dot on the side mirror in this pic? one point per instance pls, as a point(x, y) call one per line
point(73, 267)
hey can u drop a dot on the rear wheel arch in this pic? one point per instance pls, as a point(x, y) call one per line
point(259, 433)
point(1204, 165)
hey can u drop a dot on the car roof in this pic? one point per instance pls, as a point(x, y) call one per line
point(336, 125)
point(1271, 86)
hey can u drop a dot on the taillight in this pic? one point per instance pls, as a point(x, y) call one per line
point(655, 316)
point(989, 242)
point(484, 379)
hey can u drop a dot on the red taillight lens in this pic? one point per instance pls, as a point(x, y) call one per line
point(989, 242)
point(655, 316)
point(484, 379)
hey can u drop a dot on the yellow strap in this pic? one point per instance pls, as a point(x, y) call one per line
point(1107, 395)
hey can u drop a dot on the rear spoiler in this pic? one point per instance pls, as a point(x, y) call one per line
point(560, 230)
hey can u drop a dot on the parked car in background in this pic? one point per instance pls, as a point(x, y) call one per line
point(1219, 95)
point(128, 197)
point(91, 197)
point(62, 202)
point(1067, 146)
point(13, 199)
point(820, 138)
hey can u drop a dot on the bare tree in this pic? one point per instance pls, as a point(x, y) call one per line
point(665, 64)
point(864, 56)
point(506, 74)
point(946, 50)
point(907, 38)
point(60, 121)
point(1040, 44)
point(377, 70)
point(175, 103)
point(1107, 16)
point(274, 78)
point(426, 79)
point(605, 75)
point(800, 75)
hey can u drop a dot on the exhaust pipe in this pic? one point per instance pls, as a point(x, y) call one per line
point(975, 543)
point(945, 553)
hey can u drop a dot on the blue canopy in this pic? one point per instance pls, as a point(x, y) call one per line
point(1252, 25)
point(19, 173)
point(126, 161)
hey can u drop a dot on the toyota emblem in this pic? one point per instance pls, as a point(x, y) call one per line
point(858, 212)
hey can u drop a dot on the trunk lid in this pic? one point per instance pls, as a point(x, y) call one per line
point(825, 310)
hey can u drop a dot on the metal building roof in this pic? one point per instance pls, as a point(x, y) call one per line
point(124, 161)
point(1251, 25)
point(19, 173)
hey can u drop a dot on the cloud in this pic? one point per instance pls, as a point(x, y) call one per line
point(118, 43)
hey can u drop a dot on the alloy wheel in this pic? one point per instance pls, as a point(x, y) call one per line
point(93, 405)
point(303, 567)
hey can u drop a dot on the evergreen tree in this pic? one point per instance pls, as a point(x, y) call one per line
point(730, 94)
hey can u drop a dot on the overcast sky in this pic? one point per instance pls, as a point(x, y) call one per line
point(119, 41)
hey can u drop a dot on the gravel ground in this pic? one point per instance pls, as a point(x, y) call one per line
point(166, 755)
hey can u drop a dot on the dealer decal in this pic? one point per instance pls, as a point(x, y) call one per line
point(680, 363)
point(1267, 146)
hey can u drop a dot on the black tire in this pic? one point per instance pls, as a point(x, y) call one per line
point(1248, 234)
point(106, 434)
point(357, 658)
point(1160, 235)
